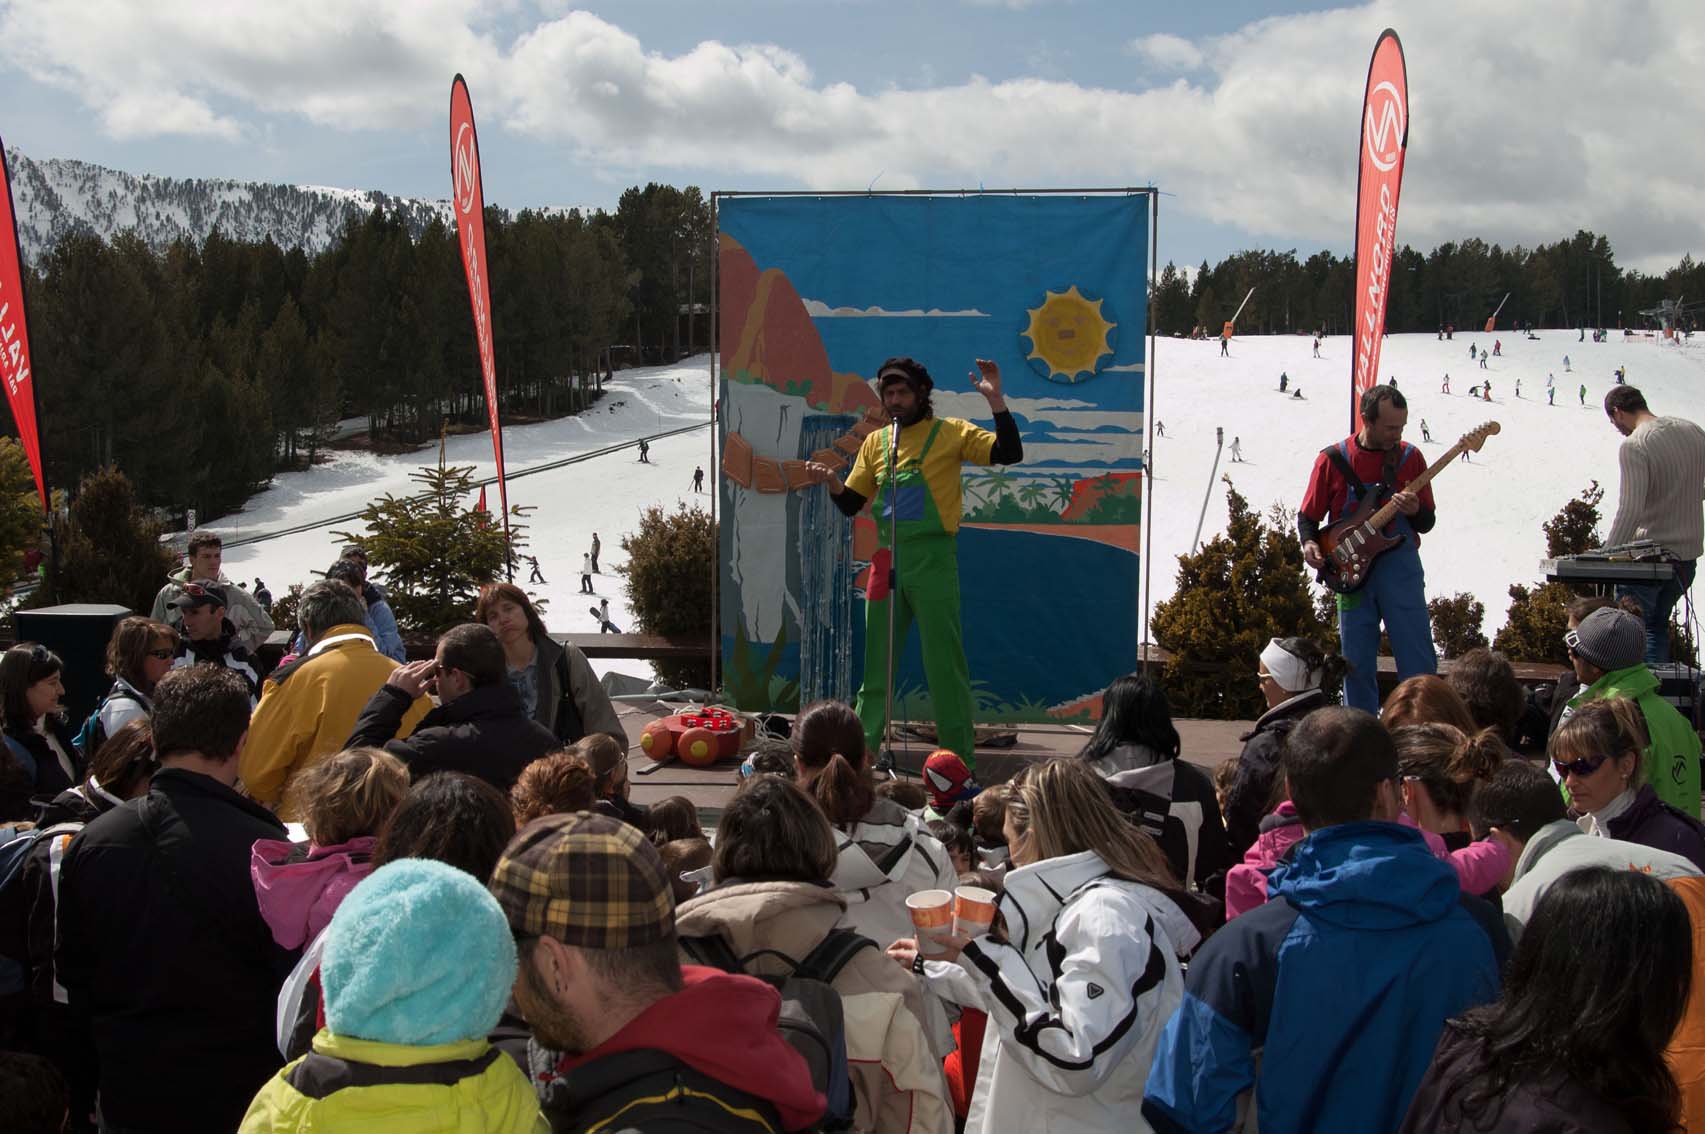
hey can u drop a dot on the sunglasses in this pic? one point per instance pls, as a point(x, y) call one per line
point(1583, 767)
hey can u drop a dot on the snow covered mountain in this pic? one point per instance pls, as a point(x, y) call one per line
point(59, 196)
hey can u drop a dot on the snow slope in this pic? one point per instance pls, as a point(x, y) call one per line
point(603, 495)
point(1490, 509)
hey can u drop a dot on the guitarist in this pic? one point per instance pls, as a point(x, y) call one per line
point(1376, 459)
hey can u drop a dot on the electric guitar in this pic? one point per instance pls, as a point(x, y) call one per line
point(1350, 546)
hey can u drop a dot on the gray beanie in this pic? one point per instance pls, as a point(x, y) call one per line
point(1610, 639)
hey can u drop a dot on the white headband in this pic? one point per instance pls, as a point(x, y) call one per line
point(1291, 672)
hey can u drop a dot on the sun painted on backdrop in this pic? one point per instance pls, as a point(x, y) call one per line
point(1068, 336)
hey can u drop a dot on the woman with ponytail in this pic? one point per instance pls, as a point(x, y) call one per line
point(1441, 767)
point(883, 852)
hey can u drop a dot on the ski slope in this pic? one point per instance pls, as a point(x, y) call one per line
point(1490, 509)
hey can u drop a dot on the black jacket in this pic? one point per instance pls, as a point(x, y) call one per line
point(1651, 822)
point(17, 790)
point(482, 733)
point(646, 1090)
point(1555, 1105)
point(166, 958)
point(1246, 802)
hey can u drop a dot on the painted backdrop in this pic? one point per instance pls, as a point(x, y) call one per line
point(814, 293)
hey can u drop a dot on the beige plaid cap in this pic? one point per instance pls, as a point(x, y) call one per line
point(587, 880)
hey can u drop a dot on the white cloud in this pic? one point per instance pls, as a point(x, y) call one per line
point(818, 309)
point(1546, 117)
point(1167, 52)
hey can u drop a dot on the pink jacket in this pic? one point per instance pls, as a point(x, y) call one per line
point(1479, 867)
point(298, 894)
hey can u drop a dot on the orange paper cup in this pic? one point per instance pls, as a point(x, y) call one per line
point(973, 910)
point(932, 917)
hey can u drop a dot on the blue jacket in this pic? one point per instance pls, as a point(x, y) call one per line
point(1343, 982)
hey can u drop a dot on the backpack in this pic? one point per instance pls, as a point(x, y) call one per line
point(93, 734)
point(811, 1020)
point(15, 849)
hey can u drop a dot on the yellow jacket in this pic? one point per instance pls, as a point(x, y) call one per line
point(368, 1087)
point(308, 708)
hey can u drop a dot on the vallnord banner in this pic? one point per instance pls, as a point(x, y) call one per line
point(467, 199)
point(813, 293)
point(1385, 139)
point(15, 368)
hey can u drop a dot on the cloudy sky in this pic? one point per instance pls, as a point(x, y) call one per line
point(1529, 118)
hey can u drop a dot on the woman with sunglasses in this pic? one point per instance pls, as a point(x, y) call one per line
point(1597, 754)
point(140, 654)
point(40, 758)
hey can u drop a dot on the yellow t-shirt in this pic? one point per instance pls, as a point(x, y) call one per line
point(958, 443)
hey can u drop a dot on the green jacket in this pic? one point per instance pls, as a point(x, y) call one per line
point(352, 1085)
point(1672, 757)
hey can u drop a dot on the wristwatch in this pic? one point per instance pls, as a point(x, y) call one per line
point(918, 964)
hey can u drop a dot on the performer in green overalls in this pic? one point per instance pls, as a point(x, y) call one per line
point(925, 499)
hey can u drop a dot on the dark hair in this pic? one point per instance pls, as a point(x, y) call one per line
point(605, 755)
point(21, 667)
point(329, 603)
point(921, 383)
point(559, 782)
point(1574, 1004)
point(131, 640)
point(346, 571)
point(953, 837)
point(1448, 762)
point(909, 794)
point(988, 815)
point(1134, 710)
point(475, 650)
point(1310, 653)
point(200, 708)
point(201, 539)
point(674, 818)
point(1520, 798)
point(1334, 760)
point(1486, 682)
point(773, 831)
point(828, 738)
point(33, 1098)
point(1376, 396)
point(353, 550)
point(493, 593)
point(1426, 699)
point(994, 880)
point(1580, 606)
point(125, 760)
point(643, 972)
point(1628, 399)
point(451, 817)
point(680, 856)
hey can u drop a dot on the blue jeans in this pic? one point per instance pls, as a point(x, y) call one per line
point(1396, 595)
point(1657, 602)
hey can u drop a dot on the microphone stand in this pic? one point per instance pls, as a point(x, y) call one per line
point(885, 762)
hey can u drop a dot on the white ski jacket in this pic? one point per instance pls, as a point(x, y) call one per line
point(1076, 998)
point(884, 858)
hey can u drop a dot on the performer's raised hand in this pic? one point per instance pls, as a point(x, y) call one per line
point(819, 473)
point(986, 380)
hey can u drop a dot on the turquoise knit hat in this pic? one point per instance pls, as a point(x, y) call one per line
point(419, 953)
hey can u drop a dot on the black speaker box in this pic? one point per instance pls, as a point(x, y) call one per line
point(78, 633)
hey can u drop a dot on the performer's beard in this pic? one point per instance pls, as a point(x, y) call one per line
point(907, 416)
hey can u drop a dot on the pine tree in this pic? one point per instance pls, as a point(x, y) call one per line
point(107, 548)
point(1538, 616)
point(1456, 623)
point(1241, 589)
point(434, 552)
point(671, 560)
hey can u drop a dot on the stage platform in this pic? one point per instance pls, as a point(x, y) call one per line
point(1204, 742)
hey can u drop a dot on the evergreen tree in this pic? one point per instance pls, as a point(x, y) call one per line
point(1241, 589)
point(107, 548)
point(434, 552)
point(1456, 624)
point(671, 563)
point(1538, 615)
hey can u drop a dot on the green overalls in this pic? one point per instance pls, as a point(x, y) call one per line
point(928, 591)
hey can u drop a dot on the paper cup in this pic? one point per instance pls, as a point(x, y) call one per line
point(932, 917)
point(973, 911)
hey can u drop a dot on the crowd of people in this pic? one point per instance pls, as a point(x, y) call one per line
point(418, 897)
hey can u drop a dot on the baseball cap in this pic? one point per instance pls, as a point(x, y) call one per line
point(200, 594)
point(587, 880)
point(947, 779)
point(1610, 639)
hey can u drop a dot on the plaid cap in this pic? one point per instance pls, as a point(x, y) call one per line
point(587, 880)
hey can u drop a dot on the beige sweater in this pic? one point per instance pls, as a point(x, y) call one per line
point(1663, 483)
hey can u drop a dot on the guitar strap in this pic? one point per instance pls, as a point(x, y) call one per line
point(1358, 487)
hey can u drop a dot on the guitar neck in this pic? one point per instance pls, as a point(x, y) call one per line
point(1388, 511)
